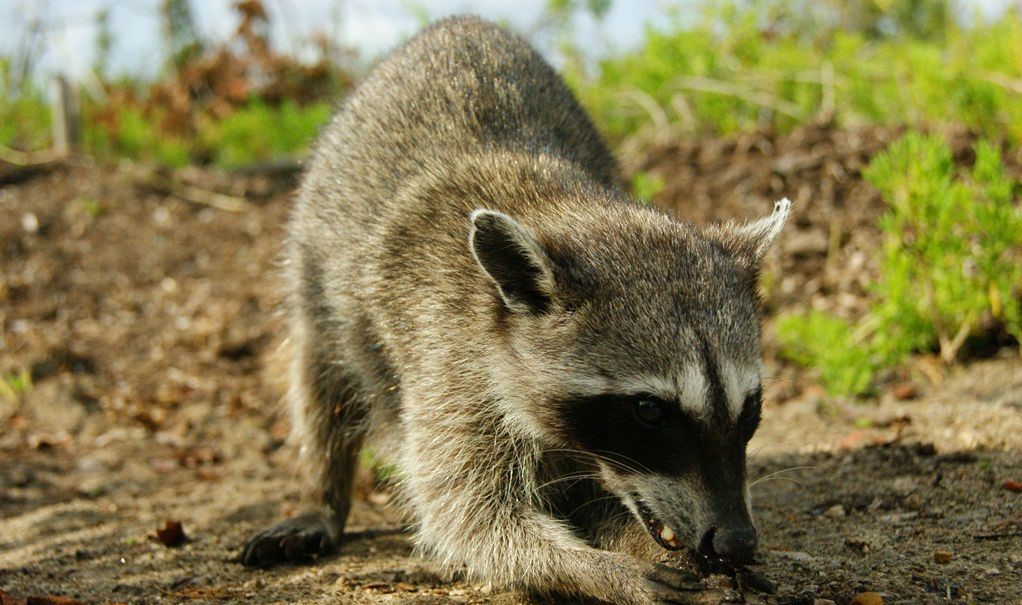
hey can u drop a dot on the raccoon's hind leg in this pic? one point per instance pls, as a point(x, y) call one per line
point(328, 416)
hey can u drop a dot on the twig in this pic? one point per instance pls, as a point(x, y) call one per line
point(1004, 81)
point(997, 536)
point(646, 102)
point(26, 158)
point(722, 87)
point(193, 194)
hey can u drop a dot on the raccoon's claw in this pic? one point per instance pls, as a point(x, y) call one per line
point(672, 585)
point(293, 541)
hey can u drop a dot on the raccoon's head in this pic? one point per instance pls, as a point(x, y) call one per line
point(635, 339)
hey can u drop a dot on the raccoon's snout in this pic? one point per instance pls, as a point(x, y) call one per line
point(737, 543)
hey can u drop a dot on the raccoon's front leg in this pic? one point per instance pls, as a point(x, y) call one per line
point(478, 510)
point(328, 415)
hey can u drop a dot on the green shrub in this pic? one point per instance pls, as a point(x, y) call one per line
point(136, 137)
point(826, 344)
point(950, 267)
point(261, 132)
point(730, 72)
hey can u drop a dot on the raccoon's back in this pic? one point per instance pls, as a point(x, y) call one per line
point(461, 86)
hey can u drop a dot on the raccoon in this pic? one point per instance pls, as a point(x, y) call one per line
point(565, 378)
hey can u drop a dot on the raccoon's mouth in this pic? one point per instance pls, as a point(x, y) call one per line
point(663, 534)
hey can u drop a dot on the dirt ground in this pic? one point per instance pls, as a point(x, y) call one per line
point(147, 324)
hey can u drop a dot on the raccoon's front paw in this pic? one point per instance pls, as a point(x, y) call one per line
point(671, 585)
point(293, 541)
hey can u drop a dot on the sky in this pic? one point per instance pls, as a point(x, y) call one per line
point(370, 26)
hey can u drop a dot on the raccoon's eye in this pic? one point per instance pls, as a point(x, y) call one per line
point(752, 409)
point(651, 412)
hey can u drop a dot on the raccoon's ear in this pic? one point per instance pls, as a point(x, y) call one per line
point(753, 240)
point(513, 259)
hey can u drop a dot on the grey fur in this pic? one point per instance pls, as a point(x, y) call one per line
point(460, 264)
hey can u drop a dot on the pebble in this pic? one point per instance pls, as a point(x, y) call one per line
point(942, 556)
point(823, 602)
point(30, 222)
point(835, 511)
point(867, 598)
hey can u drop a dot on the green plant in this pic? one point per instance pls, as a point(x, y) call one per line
point(24, 113)
point(827, 345)
point(136, 137)
point(90, 206)
point(778, 64)
point(383, 470)
point(15, 384)
point(646, 186)
point(951, 266)
point(261, 132)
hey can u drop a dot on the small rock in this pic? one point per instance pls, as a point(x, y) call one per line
point(898, 518)
point(867, 598)
point(1013, 486)
point(795, 555)
point(835, 511)
point(905, 391)
point(942, 556)
point(30, 222)
point(823, 602)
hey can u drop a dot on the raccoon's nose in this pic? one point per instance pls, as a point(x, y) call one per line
point(736, 543)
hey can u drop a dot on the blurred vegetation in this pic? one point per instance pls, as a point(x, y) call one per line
point(230, 104)
point(950, 268)
point(711, 68)
point(827, 344)
point(780, 63)
point(24, 113)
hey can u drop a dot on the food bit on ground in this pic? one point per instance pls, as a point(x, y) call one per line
point(942, 556)
point(171, 534)
point(1013, 486)
point(723, 578)
point(867, 598)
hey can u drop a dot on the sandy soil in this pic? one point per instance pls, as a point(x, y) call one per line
point(147, 324)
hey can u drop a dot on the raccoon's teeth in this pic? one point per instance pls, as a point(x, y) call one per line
point(667, 535)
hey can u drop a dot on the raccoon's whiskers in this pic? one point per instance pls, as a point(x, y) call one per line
point(573, 477)
point(595, 501)
point(640, 468)
point(618, 464)
point(780, 472)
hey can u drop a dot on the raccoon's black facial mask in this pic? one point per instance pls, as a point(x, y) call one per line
point(643, 434)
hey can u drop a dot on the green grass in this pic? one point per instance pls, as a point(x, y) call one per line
point(827, 345)
point(260, 132)
point(253, 133)
point(136, 136)
point(950, 267)
point(14, 385)
point(24, 114)
point(646, 186)
point(728, 73)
